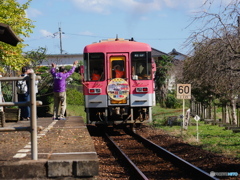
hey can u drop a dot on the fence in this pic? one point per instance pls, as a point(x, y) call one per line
point(33, 111)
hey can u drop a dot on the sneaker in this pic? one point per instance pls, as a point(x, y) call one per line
point(54, 118)
point(62, 118)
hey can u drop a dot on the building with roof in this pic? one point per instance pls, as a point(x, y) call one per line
point(177, 55)
point(62, 59)
point(176, 70)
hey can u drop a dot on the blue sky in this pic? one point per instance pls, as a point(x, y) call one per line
point(160, 23)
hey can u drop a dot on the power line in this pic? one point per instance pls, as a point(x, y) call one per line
point(154, 39)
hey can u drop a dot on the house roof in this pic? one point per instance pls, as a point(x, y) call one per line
point(156, 53)
point(174, 52)
point(7, 35)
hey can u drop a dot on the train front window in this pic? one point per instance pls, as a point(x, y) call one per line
point(117, 67)
point(94, 67)
point(141, 65)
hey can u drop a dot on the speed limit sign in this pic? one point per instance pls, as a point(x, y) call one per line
point(183, 91)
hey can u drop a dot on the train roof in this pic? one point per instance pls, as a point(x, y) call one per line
point(117, 45)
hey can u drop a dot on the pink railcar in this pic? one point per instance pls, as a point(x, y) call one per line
point(118, 82)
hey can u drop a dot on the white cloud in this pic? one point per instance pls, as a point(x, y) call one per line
point(134, 6)
point(98, 6)
point(46, 33)
point(31, 12)
point(109, 6)
point(190, 5)
point(141, 6)
point(144, 18)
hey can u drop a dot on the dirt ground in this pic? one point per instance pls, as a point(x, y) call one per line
point(56, 141)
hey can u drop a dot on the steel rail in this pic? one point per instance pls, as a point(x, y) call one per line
point(197, 172)
point(137, 172)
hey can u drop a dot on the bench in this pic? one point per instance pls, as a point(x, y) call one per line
point(236, 130)
point(2, 119)
point(12, 114)
point(172, 120)
point(231, 127)
point(208, 121)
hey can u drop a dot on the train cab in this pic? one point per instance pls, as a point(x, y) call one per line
point(118, 82)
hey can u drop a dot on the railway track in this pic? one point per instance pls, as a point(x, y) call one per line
point(146, 160)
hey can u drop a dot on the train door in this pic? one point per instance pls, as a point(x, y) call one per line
point(118, 83)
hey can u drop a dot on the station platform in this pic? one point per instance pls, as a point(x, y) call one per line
point(65, 149)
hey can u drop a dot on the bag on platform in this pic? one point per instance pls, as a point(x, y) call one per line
point(22, 87)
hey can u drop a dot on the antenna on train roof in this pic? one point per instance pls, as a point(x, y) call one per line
point(132, 39)
point(116, 38)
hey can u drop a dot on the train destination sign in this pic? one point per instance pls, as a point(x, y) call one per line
point(183, 91)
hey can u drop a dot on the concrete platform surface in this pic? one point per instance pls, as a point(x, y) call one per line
point(65, 149)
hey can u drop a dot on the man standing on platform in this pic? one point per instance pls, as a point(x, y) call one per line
point(59, 90)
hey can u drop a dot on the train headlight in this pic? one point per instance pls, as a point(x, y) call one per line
point(95, 91)
point(142, 89)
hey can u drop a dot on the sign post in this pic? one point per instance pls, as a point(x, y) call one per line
point(184, 92)
point(197, 118)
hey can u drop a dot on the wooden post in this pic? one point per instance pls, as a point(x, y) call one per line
point(33, 121)
point(214, 114)
point(223, 113)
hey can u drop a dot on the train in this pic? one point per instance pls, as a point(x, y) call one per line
point(118, 82)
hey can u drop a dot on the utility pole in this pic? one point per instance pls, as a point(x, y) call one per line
point(60, 36)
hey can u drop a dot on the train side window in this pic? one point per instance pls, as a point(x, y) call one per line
point(94, 67)
point(141, 66)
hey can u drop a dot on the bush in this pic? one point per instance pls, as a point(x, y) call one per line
point(74, 97)
point(45, 94)
point(171, 101)
point(75, 79)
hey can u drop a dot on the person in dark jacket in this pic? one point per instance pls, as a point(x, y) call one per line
point(24, 96)
point(59, 90)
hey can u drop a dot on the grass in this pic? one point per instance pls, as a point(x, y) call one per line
point(72, 110)
point(209, 137)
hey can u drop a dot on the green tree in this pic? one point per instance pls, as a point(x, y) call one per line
point(163, 65)
point(14, 14)
point(36, 57)
point(213, 70)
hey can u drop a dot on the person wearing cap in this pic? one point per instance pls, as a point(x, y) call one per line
point(118, 71)
point(59, 89)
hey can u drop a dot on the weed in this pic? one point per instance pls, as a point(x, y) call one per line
point(210, 137)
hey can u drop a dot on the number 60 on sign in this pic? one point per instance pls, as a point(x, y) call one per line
point(183, 91)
